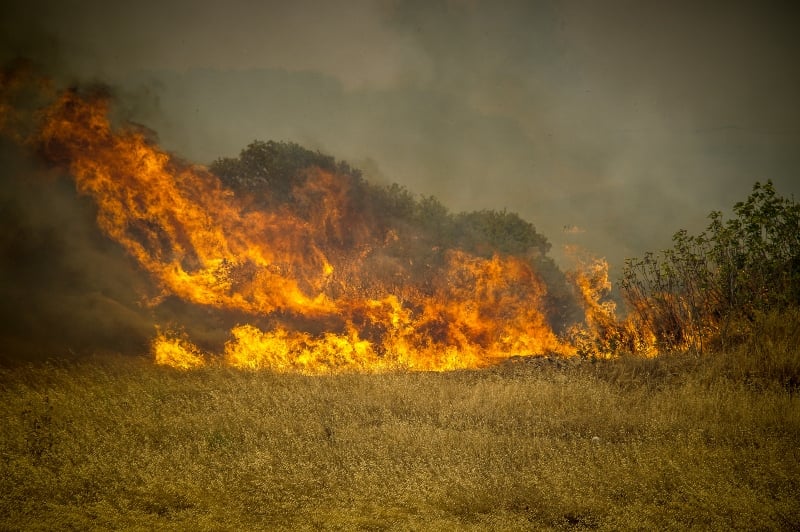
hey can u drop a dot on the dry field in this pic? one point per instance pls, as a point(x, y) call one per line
point(679, 442)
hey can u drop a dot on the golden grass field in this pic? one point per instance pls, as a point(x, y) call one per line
point(678, 442)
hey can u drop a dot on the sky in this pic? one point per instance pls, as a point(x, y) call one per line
point(609, 124)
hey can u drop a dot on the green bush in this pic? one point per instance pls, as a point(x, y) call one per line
point(711, 289)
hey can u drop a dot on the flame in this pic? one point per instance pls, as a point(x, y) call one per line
point(320, 260)
point(604, 335)
point(179, 222)
point(176, 352)
point(478, 317)
point(284, 351)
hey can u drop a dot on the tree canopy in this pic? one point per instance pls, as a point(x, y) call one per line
point(417, 230)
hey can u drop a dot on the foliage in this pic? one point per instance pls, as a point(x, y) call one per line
point(710, 289)
point(409, 230)
point(273, 166)
point(272, 171)
point(492, 231)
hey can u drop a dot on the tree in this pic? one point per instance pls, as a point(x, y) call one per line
point(400, 235)
point(489, 231)
point(271, 167)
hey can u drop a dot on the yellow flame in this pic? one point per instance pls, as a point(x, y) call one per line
point(325, 260)
point(284, 351)
point(176, 352)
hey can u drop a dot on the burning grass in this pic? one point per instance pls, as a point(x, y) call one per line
point(668, 443)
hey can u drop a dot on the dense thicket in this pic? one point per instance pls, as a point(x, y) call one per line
point(421, 229)
point(714, 288)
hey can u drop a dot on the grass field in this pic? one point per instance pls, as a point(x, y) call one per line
point(679, 442)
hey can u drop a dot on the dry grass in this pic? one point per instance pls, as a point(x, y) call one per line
point(672, 443)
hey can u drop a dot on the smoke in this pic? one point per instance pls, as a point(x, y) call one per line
point(65, 289)
point(628, 119)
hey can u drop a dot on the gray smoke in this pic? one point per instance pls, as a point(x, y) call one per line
point(65, 289)
point(607, 124)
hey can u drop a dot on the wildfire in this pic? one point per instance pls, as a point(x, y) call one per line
point(176, 352)
point(286, 351)
point(603, 334)
point(178, 221)
point(283, 266)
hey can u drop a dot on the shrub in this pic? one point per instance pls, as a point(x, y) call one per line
point(710, 289)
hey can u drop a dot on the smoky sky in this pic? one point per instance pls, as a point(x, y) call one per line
point(621, 121)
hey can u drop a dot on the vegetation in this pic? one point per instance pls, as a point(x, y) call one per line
point(675, 442)
point(681, 441)
point(710, 290)
point(275, 175)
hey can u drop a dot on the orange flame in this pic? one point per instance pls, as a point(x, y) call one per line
point(204, 245)
point(179, 222)
point(603, 334)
